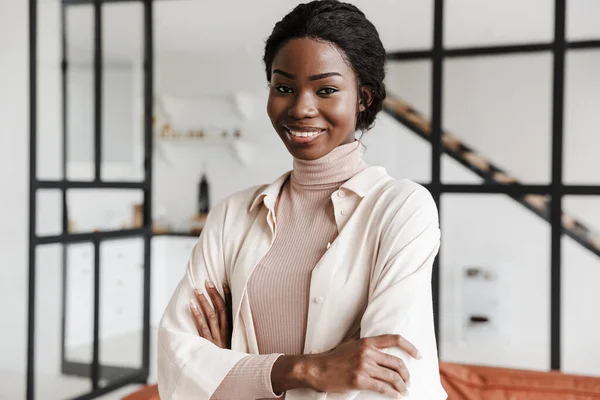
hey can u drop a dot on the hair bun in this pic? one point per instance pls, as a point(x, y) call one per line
point(327, 6)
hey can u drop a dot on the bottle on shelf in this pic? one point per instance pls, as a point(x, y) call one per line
point(203, 205)
point(203, 195)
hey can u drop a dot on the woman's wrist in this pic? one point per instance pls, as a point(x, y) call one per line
point(291, 372)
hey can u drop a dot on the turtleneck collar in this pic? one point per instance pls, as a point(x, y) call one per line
point(337, 166)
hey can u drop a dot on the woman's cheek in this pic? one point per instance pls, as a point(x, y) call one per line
point(343, 110)
point(272, 108)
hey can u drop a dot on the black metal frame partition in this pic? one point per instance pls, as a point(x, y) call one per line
point(116, 376)
point(556, 189)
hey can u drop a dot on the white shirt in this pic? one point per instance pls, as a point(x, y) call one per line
point(376, 277)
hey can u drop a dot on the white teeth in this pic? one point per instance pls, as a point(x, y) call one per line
point(304, 134)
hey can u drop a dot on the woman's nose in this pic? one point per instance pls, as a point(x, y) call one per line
point(303, 107)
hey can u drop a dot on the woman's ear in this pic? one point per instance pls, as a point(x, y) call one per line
point(365, 98)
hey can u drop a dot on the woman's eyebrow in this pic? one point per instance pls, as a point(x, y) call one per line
point(323, 76)
point(312, 77)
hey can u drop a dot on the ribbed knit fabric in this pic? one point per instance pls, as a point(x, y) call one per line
point(279, 287)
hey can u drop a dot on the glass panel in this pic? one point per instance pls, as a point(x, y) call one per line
point(123, 91)
point(404, 153)
point(497, 116)
point(485, 23)
point(121, 307)
point(402, 24)
point(411, 82)
point(49, 212)
point(51, 380)
point(582, 20)
point(80, 91)
point(582, 101)
point(49, 92)
point(455, 171)
point(79, 318)
point(494, 246)
point(580, 297)
point(104, 209)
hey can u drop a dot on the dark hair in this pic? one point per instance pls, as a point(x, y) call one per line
point(345, 26)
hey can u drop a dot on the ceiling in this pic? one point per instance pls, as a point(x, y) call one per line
point(228, 28)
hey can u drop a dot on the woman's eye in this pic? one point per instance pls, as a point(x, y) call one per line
point(327, 91)
point(283, 89)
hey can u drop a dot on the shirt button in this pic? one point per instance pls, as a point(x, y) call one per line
point(344, 212)
point(341, 193)
point(319, 299)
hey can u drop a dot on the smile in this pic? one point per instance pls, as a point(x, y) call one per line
point(303, 134)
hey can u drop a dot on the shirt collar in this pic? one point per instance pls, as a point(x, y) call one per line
point(270, 192)
point(360, 184)
point(365, 180)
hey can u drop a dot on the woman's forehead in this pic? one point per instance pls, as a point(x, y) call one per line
point(307, 57)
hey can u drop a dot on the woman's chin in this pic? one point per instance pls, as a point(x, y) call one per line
point(307, 152)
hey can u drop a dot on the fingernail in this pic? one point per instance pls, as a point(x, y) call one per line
point(193, 304)
point(405, 392)
point(210, 284)
point(198, 293)
point(419, 356)
point(226, 288)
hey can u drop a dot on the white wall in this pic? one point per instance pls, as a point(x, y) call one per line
point(14, 166)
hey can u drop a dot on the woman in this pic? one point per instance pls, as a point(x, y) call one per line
point(328, 265)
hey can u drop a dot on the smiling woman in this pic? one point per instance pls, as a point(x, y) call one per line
point(318, 284)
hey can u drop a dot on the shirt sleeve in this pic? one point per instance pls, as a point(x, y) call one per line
point(250, 378)
point(189, 366)
point(400, 296)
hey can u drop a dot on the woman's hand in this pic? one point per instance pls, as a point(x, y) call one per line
point(213, 325)
point(359, 365)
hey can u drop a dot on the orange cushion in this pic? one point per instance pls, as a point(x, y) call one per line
point(149, 392)
point(468, 382)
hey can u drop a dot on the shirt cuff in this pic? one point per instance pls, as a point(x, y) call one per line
point(250, 378)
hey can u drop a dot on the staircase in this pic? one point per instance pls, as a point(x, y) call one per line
point(452, 146)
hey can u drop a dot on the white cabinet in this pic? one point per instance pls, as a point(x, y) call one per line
point(79, 292)
point(171, 255)
point(121, 286)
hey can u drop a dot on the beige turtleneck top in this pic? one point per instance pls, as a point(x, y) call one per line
point(278, 289)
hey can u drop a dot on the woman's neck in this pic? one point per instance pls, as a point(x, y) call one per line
point(337, 166)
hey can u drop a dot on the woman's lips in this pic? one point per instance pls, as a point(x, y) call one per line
point(303, 136)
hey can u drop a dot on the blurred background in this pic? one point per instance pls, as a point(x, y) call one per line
point(122, 122)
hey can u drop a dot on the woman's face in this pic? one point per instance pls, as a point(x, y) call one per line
point(312, 99)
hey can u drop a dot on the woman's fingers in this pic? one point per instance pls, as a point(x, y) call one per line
point(366, 382)
point(227, 299)
point(392, 370)
point(200, 321)
point(229, 312)
point(386, 341)
point(209, 315)
point(219, 303)
point(409, 348)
